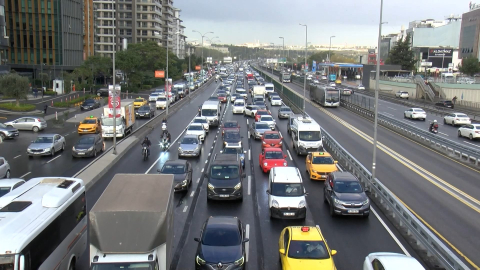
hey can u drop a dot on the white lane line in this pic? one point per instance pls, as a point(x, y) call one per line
point(390, 232)
point(193, 193)
point(443, 133)
point(53, 159)
point(206, 161)
point(24, 175)
point(471, 143)
point(247, 244)
point(280, 133)
point(388, 113)
point(249, 184)
point(17, 156)
point(392, 108)
point(247, 121)
point(198, 180)
point(290, 156)
point(66, 135)
point(203, 169)
point(249, 155)
point(185, 208)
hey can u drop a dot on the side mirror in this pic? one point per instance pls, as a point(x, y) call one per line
point(306, 193)
point(221, 152)
point(245, 240)
point(198, 240)
point(308, 161)
point(323, 137)
point(282, 251)
point(334, 252)
point(268, 191)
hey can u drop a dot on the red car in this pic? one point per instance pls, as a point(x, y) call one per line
point(259, 114)
point(230, 125)
point(271, 139)
point(272, 157)
point(223, 98)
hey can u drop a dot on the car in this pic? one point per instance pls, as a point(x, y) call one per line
point(272, 139)
point(238, 106)
point(271, 95)
point(286, 194)
point(250, 110)
point(271, 157)
point(402, 94)
point(28, 123)
point(415, 113)
point(139, 102)
point(8, 132)
point(315, 81)
point(269, 120)
point(276, 101)
point(222, 98)
point(344, 194)
point(196, 129)
point(221, 244)
point(346, 92)
point(102, 92)
point(46, 144)
point(90, 125)
point(182, 173)
point(236, 149)
point(153, 96)
point(225, 178)
point(455, 119)
point(361, 87)
point(88, 146)
point(445, 103)
point(4, 168)
point(258, 128)
point(230, 125)
point(319, 164)
point(234, 97)
point(324, 77)
point(221, 91)
point(190, 146)
point(145, 112)
point(10, 184)
point(232, 136)
point(284, 112)
point(89, 104)
point(332, 84)
point(472, 131)
point(259, 99)
point(260, 113)
point(161, 102)
point(202, 120)
point(304, 247)
point(390, 261)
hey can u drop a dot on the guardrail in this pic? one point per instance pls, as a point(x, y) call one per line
point(389, 202)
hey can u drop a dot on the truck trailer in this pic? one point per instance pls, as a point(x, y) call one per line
point(124, 123)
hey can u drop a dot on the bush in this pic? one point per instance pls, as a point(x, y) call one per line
point(50, 93)
point(66, 104)
point(13, 107)
point(147, 86)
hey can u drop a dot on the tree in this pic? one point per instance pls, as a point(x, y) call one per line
point(469, 66)
point(402, 54)
point(15, 86)
point(96, 66)
point(43, 77)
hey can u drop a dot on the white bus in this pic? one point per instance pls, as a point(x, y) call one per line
point(43, 224)
point(326, 96)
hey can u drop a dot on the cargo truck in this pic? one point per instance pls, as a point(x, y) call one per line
point(259, 90)
point(131, 224)
point(124, 123)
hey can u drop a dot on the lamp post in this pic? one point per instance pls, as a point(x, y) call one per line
point(114, 98)
point(305, 75)
point(328, 58)
point(281, 72)
point(203, 35)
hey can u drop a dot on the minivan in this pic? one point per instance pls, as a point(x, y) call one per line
point(225, 178)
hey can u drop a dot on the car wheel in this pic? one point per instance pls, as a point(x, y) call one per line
point(470, 137)
point(331, 211)
point(52, 151)
point(404, 115)
point(454, 123)
point(63, 147)
point(35, 129)
point(7, 175)
point(444, 121)
point(325, 197)
point(2, 136)
point(459, 133)
point(366, 215)
point(94, 152)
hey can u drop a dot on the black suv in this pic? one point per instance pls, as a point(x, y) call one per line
point(445, 103)
point(225, 176)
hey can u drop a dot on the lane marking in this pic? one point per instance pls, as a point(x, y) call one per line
point(339, 168)
point(206, 161)
point(249, 186)
point(198, 180)
point(392, 108)
point(25, 175)
point(203, 169)
point(66, 135)
point(17, 156)
point(388, 113)
point(193, 193)
point(290, 156)
point(443, 134)
point(53, 159)
point(185, 208)
point(390, 232)
point(249, 155)
point(247, 121)
point(471, 143)
point(247, 244)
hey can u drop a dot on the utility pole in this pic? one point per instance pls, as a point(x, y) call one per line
point(281, 72)
point(305, 72)
point(203, 35)
point(114, 91)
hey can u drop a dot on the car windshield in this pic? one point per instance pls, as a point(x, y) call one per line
point(162, 99)
point(307, 250)
point(89, 121)
point(266, 119)
point(200, 120)
point(139, 100)
point(233, 150)
point(462, 115)
point(275, 98)
point(347, 187)
point(3, 191)
point(88, 101)
point(272, 136)
point(144, 108)
point(188, 140)
point(239, 104)
point(221, 236)
point(311, 136)
point(224, 171)
point(173, 169)
point(273, 155)
point(285, 109)
point(322, 160)
point(44, 140)
point(287, 189)
point(332, 96)
point(154, 94)
point(209, 112)
point(2, 125)
point(195, 127)
point(222, 95)
point(262, 126)
point(419, 110)
point(232, 136)
point(86, 140)
point(230, 125)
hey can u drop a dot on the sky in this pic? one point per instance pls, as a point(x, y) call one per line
point(352, 22)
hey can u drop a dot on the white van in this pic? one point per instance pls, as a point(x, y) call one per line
point(238, 106)
point(211, 111)
point(306, 135)
point(286, 194)
point(269, 88)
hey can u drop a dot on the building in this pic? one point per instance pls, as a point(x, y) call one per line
point(4, 44)
point(88, 29)
point(104, 16)
point(168, 23)
point(179, 40)
point(372, 57)
point(469, 33)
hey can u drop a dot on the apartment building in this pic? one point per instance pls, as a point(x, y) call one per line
point(179, 35)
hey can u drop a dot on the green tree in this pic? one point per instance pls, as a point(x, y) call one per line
point(402, 54)
point(43, 77)
point(15, 86)
point(96, 67)
point(469, 66)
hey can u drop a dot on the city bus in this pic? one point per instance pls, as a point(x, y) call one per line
point(326, 96)
point(44, 224)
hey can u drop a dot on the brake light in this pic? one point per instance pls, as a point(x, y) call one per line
point(478, 132)
point(305, 229)
point(414, 113)
point(38, 120)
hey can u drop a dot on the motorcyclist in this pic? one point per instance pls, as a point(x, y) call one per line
point(146, 142)
point(433, 125)
point(166, 137)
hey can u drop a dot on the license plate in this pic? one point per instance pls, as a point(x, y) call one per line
point(289, 214)
point(80, 154)
point(353, 211)
point(224, 195)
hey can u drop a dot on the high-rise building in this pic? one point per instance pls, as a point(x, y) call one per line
point(470, 33)
point(3, 36)
point(46, 33)
point(179, 34)
point(168, 23)
point(88, 29)
point(104, 16)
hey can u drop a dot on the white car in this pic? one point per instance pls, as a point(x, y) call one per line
point(238, 106)
point(415, 113)
point(357, 77)
point(268, 119)
point(250, 110)
point(472, 131)
point(332, 84)
point(324, 77)
point(161, 102)
point(361, 87)
point(402, 94)
point(10, 184)
point(455, 119)
point(153, 96)
point(4, 168)
point(390, 261)
point(276, 101)
point(316, 81)
point(202, 120)
point(196, 129)
point(286, 192)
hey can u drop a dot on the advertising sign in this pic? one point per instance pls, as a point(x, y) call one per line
point(440, 52)
point(198, 67)
point(114, 102)
point(209, 60)
point(159, 74)
point(314, 66)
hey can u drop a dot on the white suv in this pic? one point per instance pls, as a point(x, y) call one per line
point(286, 194)
point(238, 106)
point(401, 94)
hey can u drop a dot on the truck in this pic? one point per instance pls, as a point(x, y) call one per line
point(180, 89)
point(259, 90)
point(131, 224)
point(124, 123)
point(285, 77)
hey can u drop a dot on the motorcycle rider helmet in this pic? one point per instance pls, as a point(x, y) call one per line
point(434, 121)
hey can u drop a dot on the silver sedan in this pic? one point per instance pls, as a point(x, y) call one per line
point(46, 144)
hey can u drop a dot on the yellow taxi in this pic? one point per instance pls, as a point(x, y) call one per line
point(303, 247)
point(338, 81)
point(90, 125)
point(319, 165)
point(139, 102)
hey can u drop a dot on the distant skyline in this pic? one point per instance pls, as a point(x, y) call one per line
point(353, 22)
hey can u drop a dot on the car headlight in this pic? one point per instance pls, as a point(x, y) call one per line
point(210, 186)
point(275, 204)
point(366, 202)
point(184, 182)
point(180, 149)
point(239, 261)
point(263, 142)
point(238, 186)
point(90, 149)
point(199, 260)
point(280, 142)
point(73, 148)
point(337, 201)
point(301, 204)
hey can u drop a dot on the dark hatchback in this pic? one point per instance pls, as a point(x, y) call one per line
point(221, 244)
point(89, 104)
point(225, 178)
point(445, 103)
point(145, 112)
point(345, 195)
point(88, 145)
point(182, 173)
point(232, 136)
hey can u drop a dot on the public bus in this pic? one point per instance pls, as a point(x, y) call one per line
point(326, 96)
point(44, 224)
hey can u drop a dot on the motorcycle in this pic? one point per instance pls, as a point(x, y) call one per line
point(434, 129)
point(164, 126)
point(145, 153)
point(164, 145)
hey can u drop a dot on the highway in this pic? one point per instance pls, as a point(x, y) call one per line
point(352, 237)
point(438, 189)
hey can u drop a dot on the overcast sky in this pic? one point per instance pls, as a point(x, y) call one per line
point(351, 21)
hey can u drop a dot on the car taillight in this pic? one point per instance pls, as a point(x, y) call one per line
point(38, 120)
point(478, 132)
point(414, 113)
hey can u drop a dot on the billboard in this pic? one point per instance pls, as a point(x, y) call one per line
point(159, 74)
point(198, 67)
point(114, 102)
point(314, 66)
point(209, 60)
point(440, 52)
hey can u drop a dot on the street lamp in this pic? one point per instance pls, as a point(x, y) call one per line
point(305, 73)
point(203, 35)
point(443, 55)
point(330, 48)
point(167, 89)
point(281, 72)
